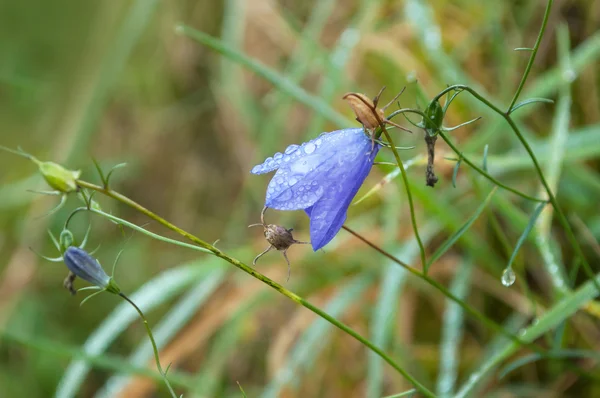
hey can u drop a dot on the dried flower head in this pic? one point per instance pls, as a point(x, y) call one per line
point(321, 177)
point(366, 110)
point(278, 237)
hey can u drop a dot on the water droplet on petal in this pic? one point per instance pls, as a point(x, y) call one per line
point(256, 169)
point(277, 156)
point(318, 142)
point(286, 158)
point(292, 181)
point(290, 149)
point(508, 277)
point(309, 148)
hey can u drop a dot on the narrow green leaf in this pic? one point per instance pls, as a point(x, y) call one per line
point(452, 331)
point(115, 167)
point(103, 361)
point(281, 82)
point(555, 354)
point(455, 172)
point(465, 227)
point(553, 165)
point(530, 101)
point(523, 49)
point(407, 394)
point(523, 237)
point(485, 155)
point(565, 308)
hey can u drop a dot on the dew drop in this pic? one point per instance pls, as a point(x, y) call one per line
point(290, 149)
point(309, 148)
point(508, 277)
point(318, 142)
point(256, 169)
point(277, 156)
point(292, 181)
point(287, 158)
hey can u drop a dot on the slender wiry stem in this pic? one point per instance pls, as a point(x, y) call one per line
point(252, 272)
point(467, 308)
point(153, 342)
point(413, 218)
point(483, 173)
point(532, 57)
point(466, 160)
point(561, 216)
point(411, 205)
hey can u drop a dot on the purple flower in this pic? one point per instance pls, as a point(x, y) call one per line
point(79, 262)
point(320, 177)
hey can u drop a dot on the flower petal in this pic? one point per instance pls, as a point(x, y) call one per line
point(79, 262)
point(328, 214)
point(305, 171)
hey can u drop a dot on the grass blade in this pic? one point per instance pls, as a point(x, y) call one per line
point(167, 328)
point(281, 82)
point(452, 330)
point(150, 295)
point(311, 342)
point(565, 308)
point(465, 227)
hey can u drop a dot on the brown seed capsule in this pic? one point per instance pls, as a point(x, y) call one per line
point(364, 109)
point(367, 113)
point(278, 237)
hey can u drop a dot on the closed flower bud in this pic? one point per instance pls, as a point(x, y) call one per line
point(84, 266)
point(66, 240)
point(59, 178)
point(435, 116)
point(363, 109)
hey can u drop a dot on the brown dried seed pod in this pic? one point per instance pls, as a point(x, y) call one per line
point(364, 108)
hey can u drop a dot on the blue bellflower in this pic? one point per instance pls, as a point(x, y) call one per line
point(321, 177)
point(79, 262)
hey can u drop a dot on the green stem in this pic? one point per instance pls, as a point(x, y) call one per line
point(125, 200)
point(532, 57)
point(471, 311)
point(153, 342)
point(461, 156)
point(413, 218)
point(484, 173)
point(561, 216)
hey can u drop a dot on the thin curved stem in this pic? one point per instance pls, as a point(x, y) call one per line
point(561, 216)
point(411, 205)
point(468, 309)
point(252, 272)
point(484, 173)
point(153, 342)
point(532, 57)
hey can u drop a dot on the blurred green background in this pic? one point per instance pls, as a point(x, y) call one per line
point(114, 81)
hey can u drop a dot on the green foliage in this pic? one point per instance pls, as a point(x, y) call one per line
point(190, 95)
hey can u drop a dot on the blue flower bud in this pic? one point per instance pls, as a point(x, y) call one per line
point(79, 262)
